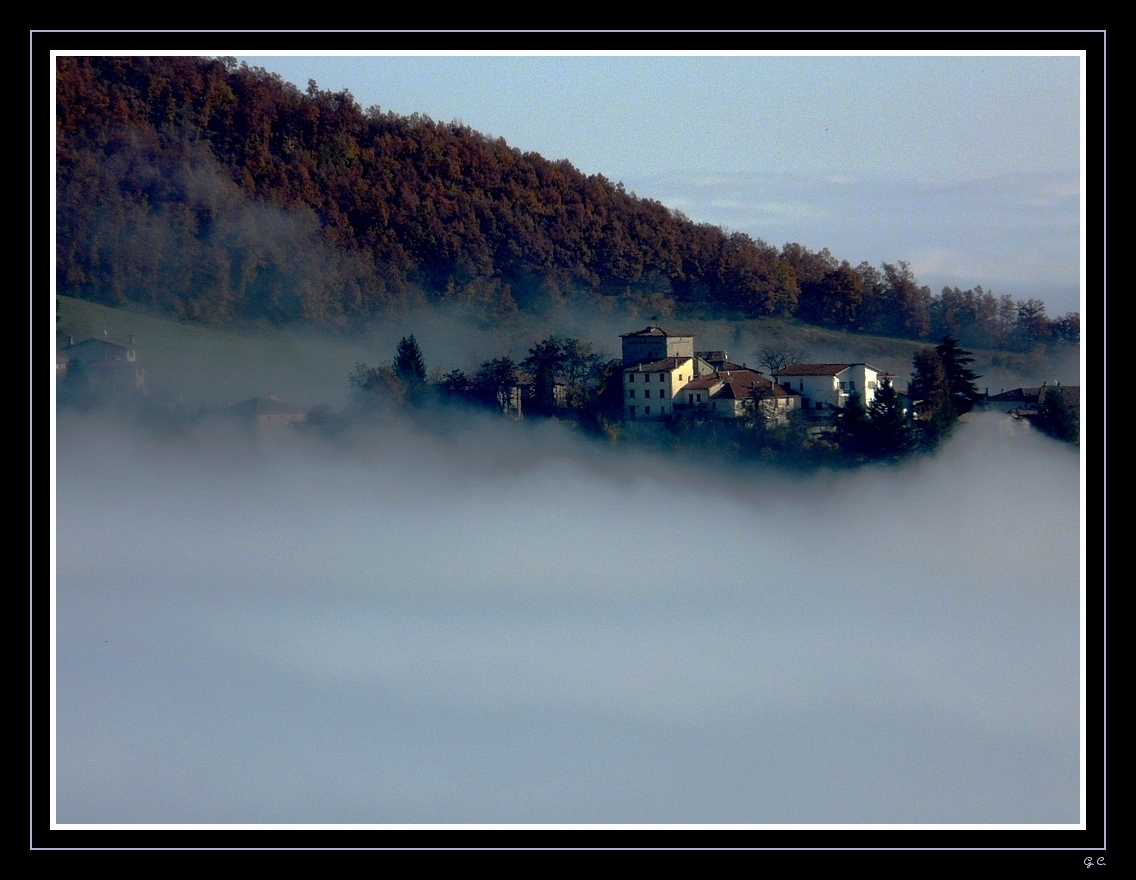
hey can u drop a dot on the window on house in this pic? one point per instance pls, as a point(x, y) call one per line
point(646, 410)
point(631, 393)
point(662, 410)
point(630, 377)
point(631, 412)
point(690, 398)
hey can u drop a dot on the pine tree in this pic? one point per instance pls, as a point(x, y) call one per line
point(930, 391)
point(964, 394)
point(891, 434)
point(408, 363)
point(853, 429)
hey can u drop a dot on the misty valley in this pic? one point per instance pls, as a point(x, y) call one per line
point(447, 614)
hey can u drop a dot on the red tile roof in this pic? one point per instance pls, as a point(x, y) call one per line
point(812, 370)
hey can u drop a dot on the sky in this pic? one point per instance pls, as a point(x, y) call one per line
point(967, 167)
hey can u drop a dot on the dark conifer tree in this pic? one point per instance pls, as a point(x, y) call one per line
point(544, 363)
point(891, 434)
point(1054, 416)
point(930, 392)
point(853, 429)
point(408, 363)
point(964, 394)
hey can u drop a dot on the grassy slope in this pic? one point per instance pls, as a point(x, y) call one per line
point(307, 367)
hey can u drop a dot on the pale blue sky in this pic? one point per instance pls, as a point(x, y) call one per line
point(943, 117)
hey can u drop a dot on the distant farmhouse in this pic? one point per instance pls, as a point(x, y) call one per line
point(111, 364)
point(266, 412)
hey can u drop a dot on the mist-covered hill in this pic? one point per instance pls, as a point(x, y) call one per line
point(221, 193)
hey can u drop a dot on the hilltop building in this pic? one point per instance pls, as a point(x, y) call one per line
point(655, 344)
point(828, 386)
point(663, 375)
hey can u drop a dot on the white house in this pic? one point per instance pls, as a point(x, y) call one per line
point(828, 386)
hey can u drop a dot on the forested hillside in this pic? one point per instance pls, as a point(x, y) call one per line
point(218, 192)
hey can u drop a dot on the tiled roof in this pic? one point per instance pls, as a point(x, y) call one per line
point(776, 391)
point(658, 366)
point(740, 384)
point(827, 370)
point(812, 370)
point(106, 340)
point(655, 330)
point(1071, 393)
point(702, 383)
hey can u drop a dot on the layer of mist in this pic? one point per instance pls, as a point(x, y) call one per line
point(504, 622)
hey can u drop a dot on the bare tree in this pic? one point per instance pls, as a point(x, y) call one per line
point(776, 358)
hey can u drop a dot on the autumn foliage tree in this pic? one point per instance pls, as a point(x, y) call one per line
point(218, 192)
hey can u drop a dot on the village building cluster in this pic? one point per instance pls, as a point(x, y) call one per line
point(663, 375)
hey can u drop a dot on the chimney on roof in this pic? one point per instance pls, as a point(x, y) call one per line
point(105, 333)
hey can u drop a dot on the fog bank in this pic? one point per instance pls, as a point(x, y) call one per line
point(510, 623)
